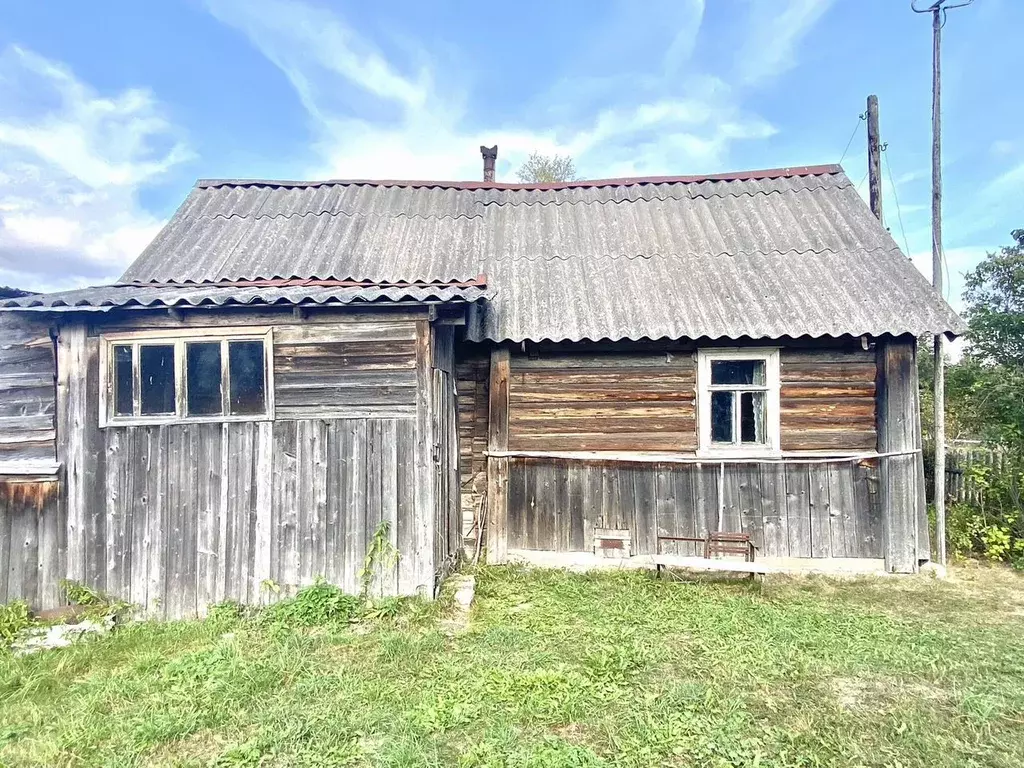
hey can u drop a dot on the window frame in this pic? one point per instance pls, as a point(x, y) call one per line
point(772, 389)
point(178, 338)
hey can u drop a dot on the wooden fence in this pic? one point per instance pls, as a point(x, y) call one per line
point(961, 485)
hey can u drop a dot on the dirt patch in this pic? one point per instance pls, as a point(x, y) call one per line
point(198, 748)
point(853, 693)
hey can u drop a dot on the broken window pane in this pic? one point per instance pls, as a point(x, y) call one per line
point(737, 372)
point(247, 373)
point(202, 372)
point(721, 417)
point(122, 380)
point(156, 371)
point(752, 417)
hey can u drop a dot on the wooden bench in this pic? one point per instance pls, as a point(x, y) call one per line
point(713, 543)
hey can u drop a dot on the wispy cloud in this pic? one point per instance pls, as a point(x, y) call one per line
point(374, 115)
point(71, 164)
point(774, 33)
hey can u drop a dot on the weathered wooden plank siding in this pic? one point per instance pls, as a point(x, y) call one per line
point(794, 510)
point(332, 483)
point(624, 402)
point(472, 374)
point(344, 371)
point(827, 400)
point(32, 541)
point(27, 390)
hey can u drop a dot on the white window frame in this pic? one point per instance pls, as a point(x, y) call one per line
point(179, 338)
point(771, 446)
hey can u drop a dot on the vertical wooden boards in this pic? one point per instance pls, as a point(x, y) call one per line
point(798, 510)
point(898, 431)
point(497, 466)
point(31, 555)
point(404, 533)
point(820, 510)
point(645, 509)
point(518, 530)
point(425, 463)
point(261, 571)
point(774, 514)
point(843, 509)
point(284, 550)
point(72, 411)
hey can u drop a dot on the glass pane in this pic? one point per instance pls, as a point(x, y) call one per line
point(737, 372)
point(721, 417)
point(156, 369)
point(247, 374)
point(202, 372)
point(752, 417)
point(122, 380)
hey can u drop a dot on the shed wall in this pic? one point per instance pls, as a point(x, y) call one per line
point(27, 395)
point(174, 517)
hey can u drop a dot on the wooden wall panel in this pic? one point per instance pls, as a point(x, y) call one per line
point(793, 510)
point(27, 394)
point(599, 402)
point(32, 541)
point(471, 377)
point(183, 520)
point(827, 400)
point(345, 371)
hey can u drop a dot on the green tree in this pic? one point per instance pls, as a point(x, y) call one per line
point(547, 169)
point(985, 390)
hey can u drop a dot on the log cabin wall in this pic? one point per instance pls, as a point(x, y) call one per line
point(572, 398)
point(176, 516)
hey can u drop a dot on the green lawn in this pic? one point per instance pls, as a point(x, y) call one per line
point(555, 669)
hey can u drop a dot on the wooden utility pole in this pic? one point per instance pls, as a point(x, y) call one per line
point(874, 159)
point(938, 11)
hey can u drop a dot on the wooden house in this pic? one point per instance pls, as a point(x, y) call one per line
point(571, 369)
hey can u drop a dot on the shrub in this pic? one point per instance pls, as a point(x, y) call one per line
point(992, 528)
point(318, 604)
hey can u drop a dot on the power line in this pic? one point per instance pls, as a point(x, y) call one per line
point(896, 197)
point(853, 135)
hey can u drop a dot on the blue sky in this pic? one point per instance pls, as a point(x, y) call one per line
point(110, 111)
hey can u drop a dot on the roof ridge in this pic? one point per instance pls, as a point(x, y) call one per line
point(752, 175)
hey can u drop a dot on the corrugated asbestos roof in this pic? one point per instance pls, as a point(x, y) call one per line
point(789, 252)
point(109, 297)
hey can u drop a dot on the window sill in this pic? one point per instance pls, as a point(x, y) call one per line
point(739, 453)
point(154, 421)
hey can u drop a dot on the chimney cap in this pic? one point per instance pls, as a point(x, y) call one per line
point(489, 153)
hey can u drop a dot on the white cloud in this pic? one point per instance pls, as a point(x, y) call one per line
point(398, 116)
point(71, 165)
point(774, 32)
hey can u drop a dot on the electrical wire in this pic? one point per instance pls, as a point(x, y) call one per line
point(856, 127)
point(896, 197)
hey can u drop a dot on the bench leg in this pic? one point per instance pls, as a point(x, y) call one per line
point(658, 567)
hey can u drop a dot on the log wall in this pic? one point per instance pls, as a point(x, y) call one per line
point(827, 401)
point(603, 402)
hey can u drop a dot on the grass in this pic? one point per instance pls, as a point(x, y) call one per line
point(555, 669)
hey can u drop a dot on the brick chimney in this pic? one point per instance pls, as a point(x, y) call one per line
point(490, 155)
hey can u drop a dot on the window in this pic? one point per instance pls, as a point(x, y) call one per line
point(220, 375)
point(738, 400)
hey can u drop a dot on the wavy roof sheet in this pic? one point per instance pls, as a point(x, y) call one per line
point(109, 297)
point(788, 252)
